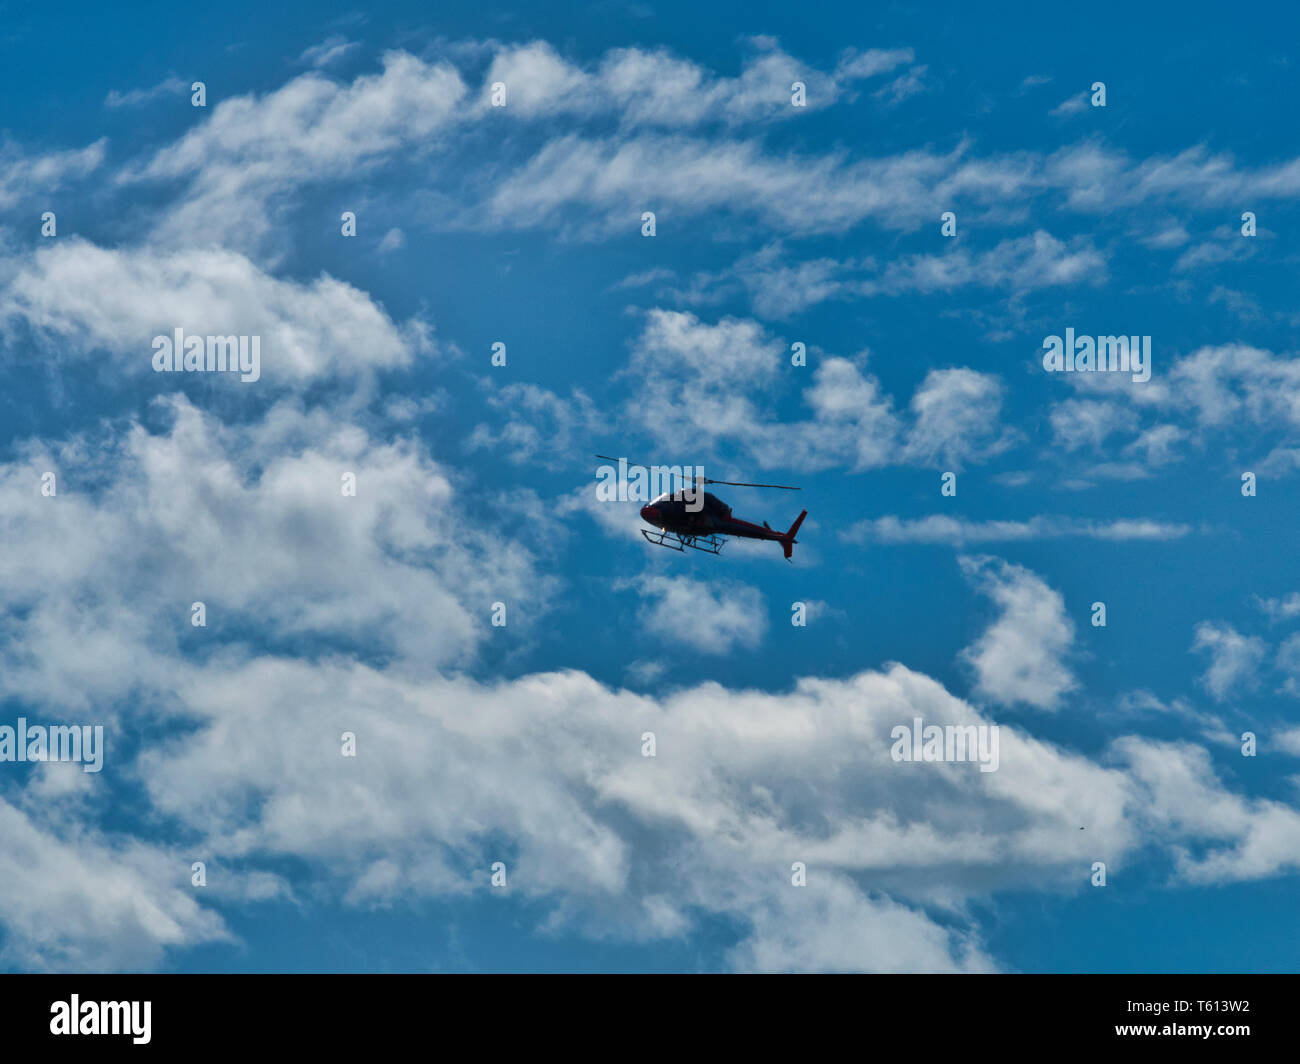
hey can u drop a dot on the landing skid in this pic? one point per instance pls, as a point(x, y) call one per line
point(708, 544)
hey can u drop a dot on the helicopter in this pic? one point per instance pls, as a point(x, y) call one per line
point(683, 522)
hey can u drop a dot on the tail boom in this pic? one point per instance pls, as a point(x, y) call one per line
point(746, 530)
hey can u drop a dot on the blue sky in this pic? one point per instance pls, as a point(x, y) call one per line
point(775, 225)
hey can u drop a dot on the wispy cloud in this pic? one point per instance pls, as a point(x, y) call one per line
point(169, 86)
point(327, 51)
point(958, 532)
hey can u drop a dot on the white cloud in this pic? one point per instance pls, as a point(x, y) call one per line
point(957, 413)
point(1087, 423)
point(250, 520)
point(239, 164)
point(86, 297)
point(388, 590)
point(613, 178)
point(1021, 658)
point(1071, 105)
point(709, 383)
point(169, 86)
point(538, 426)
point(1288, 741)
point(1156, 445)
point(730, 800)
point(1226, 388)
point(603, 840)
point(1234, 659)
point(1019, 264)
point(727, 796)
point(1288, 663)
point(854, 65)
point(695, 377)
point(780, 285)
point(1180, 792)
point(1032, 81)
point(328, 51)
point(23, 176)
point(714, 382)
point(72, 900)
point(1210, 726)
point(656, 88)
point(713, 617)
point(957, 532)
point(681, 176)
point(834, 928)
point(1281, 608)
point(901, 88)
point(853, 422)
point(1231, 381)
point(251, 150)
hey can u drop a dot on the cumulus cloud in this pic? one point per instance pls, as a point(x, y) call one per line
point(1234, 381)
point(1225, 390)
point(252, 521)
point(602, 840)
point(1021, 658)
point(712, 617)
point(1234, 659)
point(727, 804)
point(74, 900)
point(715, 382)
point(1079, 423)
point(85, 297)
point(251, 150)
point(743, 784)
point(957, 413)
point(367, 613)
point(244, 516)
point(1242, 838)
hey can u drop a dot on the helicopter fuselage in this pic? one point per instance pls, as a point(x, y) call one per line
point(669, 513)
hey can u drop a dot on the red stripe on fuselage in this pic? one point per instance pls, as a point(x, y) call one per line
point(745, 530)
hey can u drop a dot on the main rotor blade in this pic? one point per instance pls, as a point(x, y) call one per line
point(710, 480)
point(611, 458)
point(743, 484)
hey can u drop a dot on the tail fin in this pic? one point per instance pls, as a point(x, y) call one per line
point(788, 541)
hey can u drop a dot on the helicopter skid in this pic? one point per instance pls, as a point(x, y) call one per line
point(707, 544)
